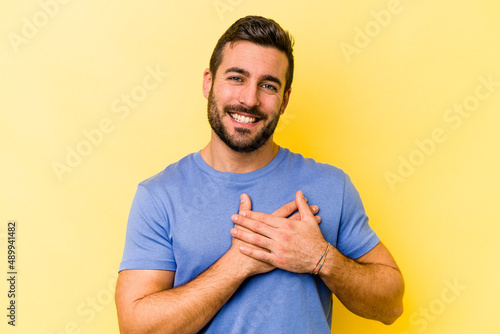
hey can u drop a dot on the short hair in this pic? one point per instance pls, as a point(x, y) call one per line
point(261, 31)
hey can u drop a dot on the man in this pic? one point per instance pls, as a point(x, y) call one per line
point(225, 241)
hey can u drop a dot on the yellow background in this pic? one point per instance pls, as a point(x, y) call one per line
point(362, 110)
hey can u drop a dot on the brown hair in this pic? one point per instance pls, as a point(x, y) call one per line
point(261, 31)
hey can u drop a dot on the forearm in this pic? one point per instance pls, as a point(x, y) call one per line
point(373, 291)
point(184, 309)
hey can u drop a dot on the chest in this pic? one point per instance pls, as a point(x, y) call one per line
point(201, 222)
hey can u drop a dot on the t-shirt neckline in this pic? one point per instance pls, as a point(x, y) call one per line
point(241, 177)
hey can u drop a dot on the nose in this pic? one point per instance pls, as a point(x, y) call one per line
point(249, 96)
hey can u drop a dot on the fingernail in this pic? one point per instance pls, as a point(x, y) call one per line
point(233, 232)
point(302, 195)
point(234, 218)
point(242, 198)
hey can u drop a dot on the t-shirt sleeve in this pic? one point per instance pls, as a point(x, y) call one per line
point(147, 241)
point(356, 237)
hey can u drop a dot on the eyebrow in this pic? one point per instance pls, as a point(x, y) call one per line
point(246, 73)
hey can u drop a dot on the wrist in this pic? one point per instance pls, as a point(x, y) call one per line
point(334, 265)
point(322, 258)
point(233, 264)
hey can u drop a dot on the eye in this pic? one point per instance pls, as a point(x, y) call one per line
point(269, 86)
point(233, 78)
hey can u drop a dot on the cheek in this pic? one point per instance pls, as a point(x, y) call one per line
point(271, 104)
point(226, 94)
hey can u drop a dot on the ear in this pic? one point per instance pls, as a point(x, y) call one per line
point(207, 82)
point(286, 98)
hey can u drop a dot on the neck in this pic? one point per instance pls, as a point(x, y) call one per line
point(220, 157)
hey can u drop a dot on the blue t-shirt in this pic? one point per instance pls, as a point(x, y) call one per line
point(180, 220)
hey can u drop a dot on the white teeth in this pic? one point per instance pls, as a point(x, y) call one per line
point(243, 119)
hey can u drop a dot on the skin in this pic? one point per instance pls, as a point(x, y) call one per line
point(234, 88)
point(371, 286)
point(147, 303)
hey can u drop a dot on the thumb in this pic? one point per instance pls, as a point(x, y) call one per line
point(245, 203)
point(304, 209)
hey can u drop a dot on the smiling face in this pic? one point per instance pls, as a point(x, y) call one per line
point(246, 97)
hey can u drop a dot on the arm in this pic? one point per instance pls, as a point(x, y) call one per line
point(371, 286)
point(147, 303)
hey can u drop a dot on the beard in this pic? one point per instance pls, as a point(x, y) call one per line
point(241, 141)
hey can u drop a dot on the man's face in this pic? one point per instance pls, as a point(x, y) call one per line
point(246, 98)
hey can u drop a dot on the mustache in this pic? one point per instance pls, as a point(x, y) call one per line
point(253, 111)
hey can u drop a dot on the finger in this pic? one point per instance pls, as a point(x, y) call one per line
point(250, 218)
point(297, 217)
point(256, 222)
point(245, 202)
point(314, 210)
point(304, 210)
point(251, 238)
point(257, 253)
point(286, 210)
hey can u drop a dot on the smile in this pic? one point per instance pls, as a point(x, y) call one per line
point(243, 119)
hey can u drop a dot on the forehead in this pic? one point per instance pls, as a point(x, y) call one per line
point(257, 60)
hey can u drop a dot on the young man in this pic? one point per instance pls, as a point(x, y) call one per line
point(225, 241)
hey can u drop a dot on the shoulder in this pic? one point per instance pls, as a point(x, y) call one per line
point(321, 170)
point(171, 175)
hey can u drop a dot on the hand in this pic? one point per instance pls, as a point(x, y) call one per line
point(252, 265)
point(288, 210)
point(286, 243)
